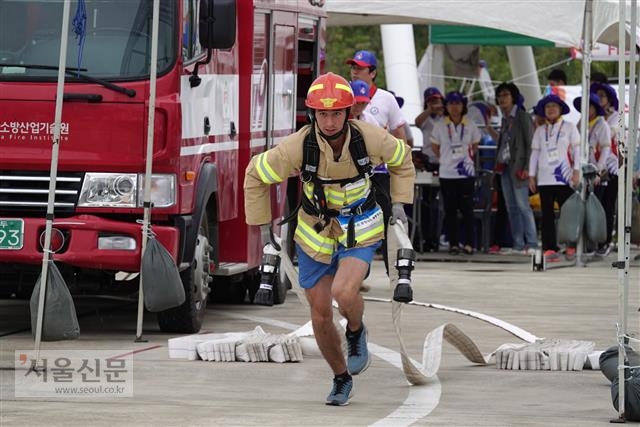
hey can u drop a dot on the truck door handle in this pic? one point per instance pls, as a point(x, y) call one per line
point(89, 97)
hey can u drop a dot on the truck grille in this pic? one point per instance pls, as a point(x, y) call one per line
point(29, 191)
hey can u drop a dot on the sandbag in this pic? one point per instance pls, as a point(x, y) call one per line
point(595, 221)
point(59, 321)
point(609, 367)
point(635, 219)
point(161, 283)
point(571, 219)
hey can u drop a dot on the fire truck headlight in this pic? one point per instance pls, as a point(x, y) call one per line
point(163, 190)
point(108, 190)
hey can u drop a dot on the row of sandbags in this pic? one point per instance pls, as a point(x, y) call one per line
point(545, 355)
point(252, 346)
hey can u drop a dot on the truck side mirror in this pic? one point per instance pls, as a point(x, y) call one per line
point(217, 29)
point(217, 24)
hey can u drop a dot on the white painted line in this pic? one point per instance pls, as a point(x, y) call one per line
point(421, 400)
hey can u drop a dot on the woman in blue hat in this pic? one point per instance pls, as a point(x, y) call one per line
point(554, 167)
point(609, 103)
point(455, 141)
point(601, 154)
point(512, 165)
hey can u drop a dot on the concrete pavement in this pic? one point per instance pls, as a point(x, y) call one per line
point(569, 303)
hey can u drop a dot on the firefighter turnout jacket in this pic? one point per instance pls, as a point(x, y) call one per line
point(280, 162)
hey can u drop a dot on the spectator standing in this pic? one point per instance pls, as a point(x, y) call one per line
point(425, 159)
point(609, 103)
point(426, 121)
point(606, 161)
point(384, 108)
point(552, 170)
point(512, 164)
point(455, 141)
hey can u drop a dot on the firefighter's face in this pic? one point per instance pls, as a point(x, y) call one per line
point(331, 122)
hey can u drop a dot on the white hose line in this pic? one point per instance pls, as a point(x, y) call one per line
point(512, 329)
point(432, 348)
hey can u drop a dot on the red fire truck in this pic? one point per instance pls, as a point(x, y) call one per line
point(232, 77)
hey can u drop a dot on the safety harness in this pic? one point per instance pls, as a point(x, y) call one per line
point(317, 206)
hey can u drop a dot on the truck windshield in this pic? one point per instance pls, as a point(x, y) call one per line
point(114, 45)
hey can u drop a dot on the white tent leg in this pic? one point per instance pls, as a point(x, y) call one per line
point(400, 67)
point(53, 174)
point(584, 120)
point(623, 248)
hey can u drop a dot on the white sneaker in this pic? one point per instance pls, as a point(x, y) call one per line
point(506, 251)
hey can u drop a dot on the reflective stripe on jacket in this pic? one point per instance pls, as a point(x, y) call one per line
point(280, 162)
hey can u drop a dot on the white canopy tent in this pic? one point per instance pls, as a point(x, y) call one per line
point(559, 21)
point(567, 23)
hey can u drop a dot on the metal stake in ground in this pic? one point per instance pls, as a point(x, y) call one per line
point(53, 175)
point(149, 160)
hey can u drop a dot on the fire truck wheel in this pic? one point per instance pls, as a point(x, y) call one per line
point(188, 317)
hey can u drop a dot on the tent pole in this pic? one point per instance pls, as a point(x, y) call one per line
point(623, 248)
point(64, 36)
point(584, 119)
point(149, 160)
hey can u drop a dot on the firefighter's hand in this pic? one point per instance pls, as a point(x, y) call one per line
point(398, 214)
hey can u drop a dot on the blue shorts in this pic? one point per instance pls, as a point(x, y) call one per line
point(311, 271)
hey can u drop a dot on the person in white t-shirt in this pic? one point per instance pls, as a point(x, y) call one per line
point(384, 109)
point(554, 167)
point(606, 161)
point(455, 142)
point(383, 105)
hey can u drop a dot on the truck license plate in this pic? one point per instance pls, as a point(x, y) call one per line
point(11, 233)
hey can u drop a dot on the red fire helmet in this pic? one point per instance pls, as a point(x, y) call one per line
point(329, 92)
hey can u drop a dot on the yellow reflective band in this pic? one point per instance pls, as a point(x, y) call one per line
point(357, 193)
point(310, 238)
point(344, 87)
point(267, 175)
point(398, 156)
point(370, 233)
point(315, 87)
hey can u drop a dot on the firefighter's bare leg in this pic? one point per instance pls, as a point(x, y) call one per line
point(326, 334)
point(346, 290)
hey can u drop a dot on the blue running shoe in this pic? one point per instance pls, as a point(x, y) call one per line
point(358, 355)
point(341, 392)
